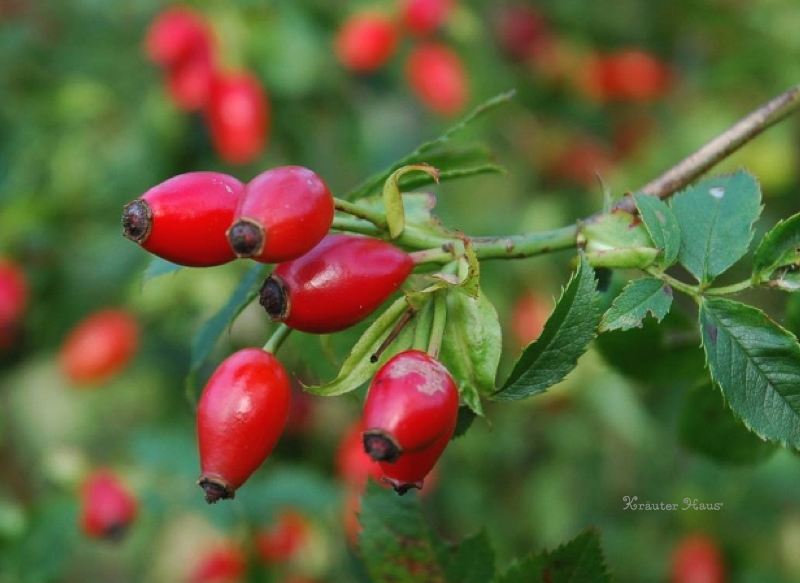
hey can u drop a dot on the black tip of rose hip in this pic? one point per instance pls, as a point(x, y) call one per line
point(402, 487)
point(381, 447)
point(116, 532)
point(215, 490)
point(137, 220)
point(246, 238)
point(273, 298)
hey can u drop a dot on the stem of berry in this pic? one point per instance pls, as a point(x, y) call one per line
point(423, 330)
point(276, 338)
point(438, 324)
point(401, 323)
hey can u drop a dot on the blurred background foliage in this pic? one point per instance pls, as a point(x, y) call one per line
point(86, 125)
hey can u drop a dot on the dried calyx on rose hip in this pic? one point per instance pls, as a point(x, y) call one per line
point(337, 284)
point(241, 415)
point(107, 506)
point(411, 469)
point(411, 403)
point(282, 214)
point(183, 219)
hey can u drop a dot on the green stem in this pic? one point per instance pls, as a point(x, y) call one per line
point(373, 216)
point(438, 324)
point(423, 327)
point(730, 289)
point(675, 283)
point(276, 339)
point(358, 226)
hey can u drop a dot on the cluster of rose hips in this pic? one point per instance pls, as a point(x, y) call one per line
point(435, 73)
point(235, 105)
point(322, 283)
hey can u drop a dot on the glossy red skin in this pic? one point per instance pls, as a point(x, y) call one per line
point(174, 34)
point(190, 214)
point(238, 117)
point(226, 563)
point(436, 75)
point(411, 468)
point(107, 506)
point(341, 281)
point(366, 41)
point(413, 399)
point(189, 79)
point(293, 205)
point(99, 347)
point(13, 300)
point(697, 559)
point(423, 17)
point(353, 464)
point(285, 539)
point(241, 414)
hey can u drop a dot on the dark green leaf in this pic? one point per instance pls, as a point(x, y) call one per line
point(472, 561)
point(779, 251)
point(640, 297)
point(465, 418)
point(396, 543)
point(716, 218)
point(709, 427)
point(357, 367)
point(617, 239)
point(472, 345)
point(578, 561)
point(157, 267)
point(662, 226)
point(566, 336)
point(757, 365)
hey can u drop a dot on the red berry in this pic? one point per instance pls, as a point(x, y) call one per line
point(99, 347)
point(521, 32)
point(337, 284)
point(241, 415)
point(438, 78)
point(580, 161)
point(238, 117)
point(282, 214)
point(366, 41)
point(411, 469)
point(189, 80)
point(175, 34)
point(353, 464)
point(107, 506)
point(13, 301)
point(285, 539)
point(697, 559)
point(423, 17)
point(629, 75)
point(184, 219)
point(411, 403)
point(225, 563)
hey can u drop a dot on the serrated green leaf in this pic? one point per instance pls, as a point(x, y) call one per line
point(662, 225)
point(465, 418)
point(617, 239)
point(395, 541)
point(472, 346)
point(357, 367)
point(709, 427)
point(393, 199)
point(716, 219)
point(471, 561)
point(579, 561)
point(414, 182)
point(208, 334)
point(779, 251)
point(566, 336)
point(158, 267)
point(757, 365)
point(638, 298)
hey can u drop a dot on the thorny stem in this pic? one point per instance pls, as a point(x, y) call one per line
point(696, 164)
point(276, 338)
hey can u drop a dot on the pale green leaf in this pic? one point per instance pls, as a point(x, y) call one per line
point(662, 225)
point(779, 253)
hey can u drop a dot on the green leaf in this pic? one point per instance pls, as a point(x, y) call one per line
point(158, 267)
point(640, 297)
point(708, 426)
point(412, 183)
point(213, 328)
point(778, 253)
point(716, 218)
point(757, 365)
point(357, 367)
point(662, 225)
point(393, 199)
point(579, 561)
point(617, 239)
point(566, 336)
point(396, 543)
point(472, 346)
point(418, 208)
point(472, 561)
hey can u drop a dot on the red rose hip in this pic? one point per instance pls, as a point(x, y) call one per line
point(697, 559)
point(366, 41)
point(282, 214)
point(424, 17)
point(438, 78)
point(335, 285)
point(353, 464)
point(241, 415)
point(184, 219)
point(174, 35)
point(13, 301)
point(411, 469)
point(107, 507)
point(410, 404)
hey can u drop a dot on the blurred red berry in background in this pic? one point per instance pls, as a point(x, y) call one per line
point(107, 506)
point(424, 17)
point(697, 559)
point(366, 41)
point(225, 563)
point(13, 301)
point(437, 76)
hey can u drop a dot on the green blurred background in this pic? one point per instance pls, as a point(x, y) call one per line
point(86, 125)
